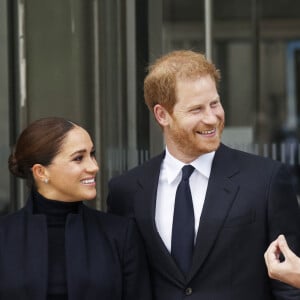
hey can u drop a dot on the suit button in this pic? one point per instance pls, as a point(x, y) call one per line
point(188, 291)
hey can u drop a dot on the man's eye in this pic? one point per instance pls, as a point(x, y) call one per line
point(93, 153)
point(215, 103)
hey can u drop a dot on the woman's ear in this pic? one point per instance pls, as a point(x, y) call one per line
point(39, 173)
point(161, 115)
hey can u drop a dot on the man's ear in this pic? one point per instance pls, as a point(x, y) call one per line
point(161, 115)
point(39, 173)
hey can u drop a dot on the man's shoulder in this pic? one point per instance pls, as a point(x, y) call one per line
point(246, 156)
point(248, 163)
point(145, 169)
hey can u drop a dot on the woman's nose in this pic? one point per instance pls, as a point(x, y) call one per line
point(93, 165)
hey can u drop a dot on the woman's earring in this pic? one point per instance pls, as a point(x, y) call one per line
point(46, 180)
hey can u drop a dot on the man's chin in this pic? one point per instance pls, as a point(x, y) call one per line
point(210, 147)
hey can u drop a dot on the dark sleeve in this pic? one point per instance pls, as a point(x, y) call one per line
point(111, 201)
point(119, 200)
point(284, 218)
point(136, 283)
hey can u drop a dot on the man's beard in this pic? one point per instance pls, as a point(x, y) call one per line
point(191, 144)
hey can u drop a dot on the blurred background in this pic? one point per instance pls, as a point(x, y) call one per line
point(86, 60)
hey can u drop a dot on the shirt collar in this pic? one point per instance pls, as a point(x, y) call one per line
point(173, 166)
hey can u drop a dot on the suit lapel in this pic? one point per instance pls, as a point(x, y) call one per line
point(145, 202)
point(220, 195)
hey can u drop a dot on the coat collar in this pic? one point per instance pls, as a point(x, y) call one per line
point(85, 239)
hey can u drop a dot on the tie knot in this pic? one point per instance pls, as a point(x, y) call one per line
point(187, 172)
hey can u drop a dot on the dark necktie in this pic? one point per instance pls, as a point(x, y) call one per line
point(183, 230)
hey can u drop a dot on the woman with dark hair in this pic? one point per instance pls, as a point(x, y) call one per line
point(56, 247)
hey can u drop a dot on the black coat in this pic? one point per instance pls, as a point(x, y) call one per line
point(104, 257)
point(249, 202)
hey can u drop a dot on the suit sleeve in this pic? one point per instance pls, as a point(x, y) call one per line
point(284, 218)
point(136, 281)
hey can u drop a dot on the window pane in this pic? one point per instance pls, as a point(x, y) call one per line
point(4, 111)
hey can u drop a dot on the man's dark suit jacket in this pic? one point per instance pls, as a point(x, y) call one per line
point(104, 257)
point(249, 202)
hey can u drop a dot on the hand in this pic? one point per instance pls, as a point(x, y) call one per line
point(287, 270)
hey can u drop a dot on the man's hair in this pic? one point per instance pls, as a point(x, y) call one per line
point(160, 83)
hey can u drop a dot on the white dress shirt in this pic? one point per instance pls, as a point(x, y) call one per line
point(169, 178)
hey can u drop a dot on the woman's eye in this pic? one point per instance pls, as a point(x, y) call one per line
point(93, 153)
point(78, 158)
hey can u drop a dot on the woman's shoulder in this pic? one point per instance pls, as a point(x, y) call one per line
point(11, 219)
point(108, 220)
point(118, 230)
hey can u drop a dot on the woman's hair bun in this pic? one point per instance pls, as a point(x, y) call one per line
point(14, 166)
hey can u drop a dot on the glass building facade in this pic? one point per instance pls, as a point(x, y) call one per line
point(86, 60)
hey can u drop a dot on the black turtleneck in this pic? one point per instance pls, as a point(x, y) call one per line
point(56, 213)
